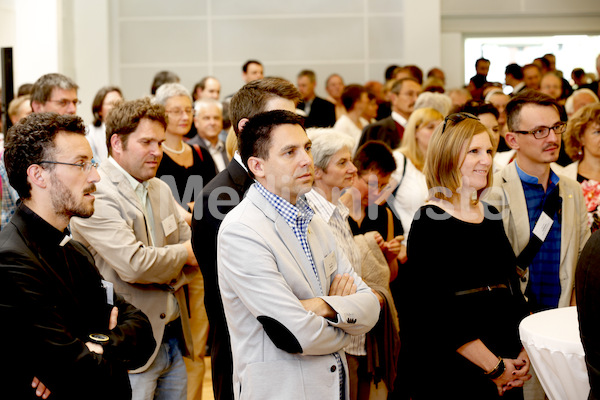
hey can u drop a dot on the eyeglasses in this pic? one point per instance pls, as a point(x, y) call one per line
point(85, 166)
point(458, 117)
point(544, 131)
point(179, 111)
point(65, 102)
point(374, 184)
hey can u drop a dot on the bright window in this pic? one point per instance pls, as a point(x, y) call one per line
point(571, 51)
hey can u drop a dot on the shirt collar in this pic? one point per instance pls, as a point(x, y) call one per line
point(135, 184)
point(41, 228)
point(325, 207)
point(525, 177)
point(290, 213)
point(238, 158)
point(218, 147)
point(398, 118)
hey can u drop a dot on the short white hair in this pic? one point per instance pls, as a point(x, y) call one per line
point(326, 142)
point(437, 101)
point(168, 90)
point(203, 103)
point(569, 103)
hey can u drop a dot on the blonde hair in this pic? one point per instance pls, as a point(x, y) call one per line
point(231, 143)
point(578, 123)
point(443, 162)
point(409, 146)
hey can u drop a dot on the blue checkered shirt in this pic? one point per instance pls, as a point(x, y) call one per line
point(298, 217)
point(544, 279)
point(9, 196)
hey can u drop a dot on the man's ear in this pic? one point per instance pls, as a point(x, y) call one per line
point(242, 123)
point(36, 106)
point(511, 140)
point(318, 173)
point(256, 166)
point(116, 143)
point(36, 176)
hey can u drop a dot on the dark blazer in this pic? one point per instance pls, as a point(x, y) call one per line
point(51, 299)
point(386, 130)
point(322, 114)
point(587, 290)
point(229, 187)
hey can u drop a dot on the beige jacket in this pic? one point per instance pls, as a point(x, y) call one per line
point(508, 196)
point(117, 235)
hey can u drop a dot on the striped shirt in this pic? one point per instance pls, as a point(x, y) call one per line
point(337, 218)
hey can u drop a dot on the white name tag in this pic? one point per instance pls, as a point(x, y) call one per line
point(169, 225)
point(330, 263)
point(110, 292)
point(542, 227)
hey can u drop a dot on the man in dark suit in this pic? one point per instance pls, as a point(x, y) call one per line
point(219, 197)
point(64, 326)
point(389, 130)
point(319, 112)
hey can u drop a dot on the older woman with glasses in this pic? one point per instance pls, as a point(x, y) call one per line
point(461, 302)
point(582, 144)
point(186, 169)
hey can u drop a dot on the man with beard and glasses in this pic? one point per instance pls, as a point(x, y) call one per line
point(142, 245)
point(68, 334)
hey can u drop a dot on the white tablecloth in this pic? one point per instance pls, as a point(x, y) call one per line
point(552, 341)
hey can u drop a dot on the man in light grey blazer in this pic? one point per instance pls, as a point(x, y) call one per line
point(522, 191)
point(142, 245)
point(290, 296)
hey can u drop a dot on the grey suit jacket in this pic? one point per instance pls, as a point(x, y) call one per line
point(118, 237)
point(280, 350)
point(508, 196)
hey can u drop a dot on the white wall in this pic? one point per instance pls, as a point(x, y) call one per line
point(355, 38)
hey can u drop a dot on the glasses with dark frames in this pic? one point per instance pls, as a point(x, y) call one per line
point(85, 166)
point(458, 117)
point(543, 131)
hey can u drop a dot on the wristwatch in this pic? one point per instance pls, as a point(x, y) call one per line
point(99, 338)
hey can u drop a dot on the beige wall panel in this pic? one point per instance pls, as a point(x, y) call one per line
point(167, 41)
point(161, 8)
point(271, 7)
point(298, 40)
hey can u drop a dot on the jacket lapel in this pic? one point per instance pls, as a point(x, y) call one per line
point(288, 238)
point(127, 192)
point(515, 196)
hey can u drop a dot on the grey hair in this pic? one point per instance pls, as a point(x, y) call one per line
point(206, 102)
point(42, 88)
point(168, 90)
point(492, 93)
point(326, 142)
point(437, 101)
point(569, 103)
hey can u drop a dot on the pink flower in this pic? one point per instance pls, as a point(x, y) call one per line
point(591, 194)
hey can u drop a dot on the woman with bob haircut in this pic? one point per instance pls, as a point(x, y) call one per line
point(410, 190)
point(463, 325)
point(582, 144)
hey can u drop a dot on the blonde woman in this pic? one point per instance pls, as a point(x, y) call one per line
point(582, 144)
point(461, 303)
point(410, 190)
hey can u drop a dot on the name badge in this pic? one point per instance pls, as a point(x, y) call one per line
point(330, 263)
point(110, 292)
point(543, 226)
point(169, 225)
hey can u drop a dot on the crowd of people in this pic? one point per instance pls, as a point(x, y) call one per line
point(317, 248)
